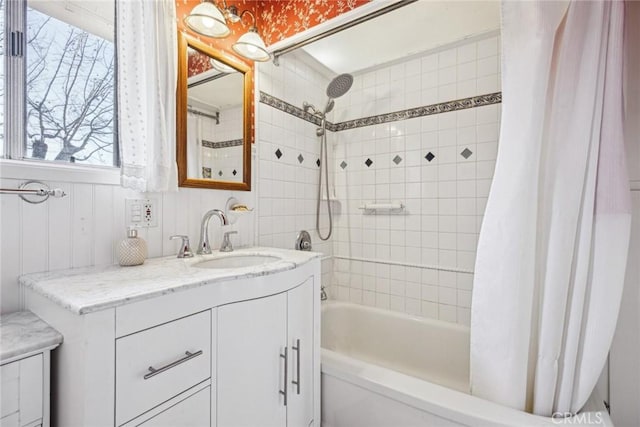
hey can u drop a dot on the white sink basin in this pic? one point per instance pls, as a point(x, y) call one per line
point(237, 261)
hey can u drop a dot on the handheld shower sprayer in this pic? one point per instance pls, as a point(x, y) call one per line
point(336, 88)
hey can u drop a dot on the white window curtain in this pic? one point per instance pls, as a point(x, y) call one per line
point(553, 246)
point(147, 75)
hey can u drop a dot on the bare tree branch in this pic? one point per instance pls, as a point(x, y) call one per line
point(70, 94)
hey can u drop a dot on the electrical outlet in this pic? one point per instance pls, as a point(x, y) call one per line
point(141, 212)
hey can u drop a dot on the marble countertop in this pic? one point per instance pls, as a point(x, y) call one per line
point(86, 290)
point(23, 333)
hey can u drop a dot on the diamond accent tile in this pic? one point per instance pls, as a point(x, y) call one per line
point(466, 153)
point(278, 153)
point(235, 172)
point(343, 164)
point(219, 173)
point(318, 162)
point(300, 158)
point(368, 162)
point(397, 160)
point(430, 156)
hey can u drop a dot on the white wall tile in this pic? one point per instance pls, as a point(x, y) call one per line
point(444, 198)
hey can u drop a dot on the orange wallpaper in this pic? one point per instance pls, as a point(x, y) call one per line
point(276, 19)
point(197, 63)
point(279, 19)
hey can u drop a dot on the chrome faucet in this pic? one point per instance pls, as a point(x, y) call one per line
point(185, 249)
point(203, 246)
point(226, 245)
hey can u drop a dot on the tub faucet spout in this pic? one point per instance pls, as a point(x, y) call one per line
point(203, 246)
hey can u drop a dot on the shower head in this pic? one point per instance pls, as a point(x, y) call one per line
point(339, 85)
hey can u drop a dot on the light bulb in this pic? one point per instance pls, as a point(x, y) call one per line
point(208, 22)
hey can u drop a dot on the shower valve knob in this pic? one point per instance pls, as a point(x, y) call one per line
point(303, 241)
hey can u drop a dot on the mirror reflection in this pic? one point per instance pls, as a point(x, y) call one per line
point(214, 119)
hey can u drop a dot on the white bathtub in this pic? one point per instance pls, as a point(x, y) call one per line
point(385, 369)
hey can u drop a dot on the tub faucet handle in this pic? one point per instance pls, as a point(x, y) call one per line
point(226, 242)
point(185, 248)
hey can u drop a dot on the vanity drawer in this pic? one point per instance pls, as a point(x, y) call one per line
point(179, 355)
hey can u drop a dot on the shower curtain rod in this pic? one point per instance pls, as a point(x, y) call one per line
point(200, 113)
point(279, 52)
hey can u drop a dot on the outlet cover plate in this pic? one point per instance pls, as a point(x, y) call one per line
point(141, 212)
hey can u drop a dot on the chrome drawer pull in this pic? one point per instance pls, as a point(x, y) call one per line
point(286, 368)
point(188, 356)
point(297, 350)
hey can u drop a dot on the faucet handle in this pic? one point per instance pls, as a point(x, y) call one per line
point(185, 248)
point(226, 242)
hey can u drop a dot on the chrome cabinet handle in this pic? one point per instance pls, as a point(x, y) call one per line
point(297, 350)
point(286, 368)
point(188, 356)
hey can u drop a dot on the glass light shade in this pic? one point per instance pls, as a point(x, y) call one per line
point(206, 19)
point(222, 67)
point(251, 46)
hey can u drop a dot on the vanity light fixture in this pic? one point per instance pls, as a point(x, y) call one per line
point(222, 67)
point(250, 45)
point(208, 19)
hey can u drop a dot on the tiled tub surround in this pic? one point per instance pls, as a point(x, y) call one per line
point(288, 154)
point(440, 165)
point(435, 153)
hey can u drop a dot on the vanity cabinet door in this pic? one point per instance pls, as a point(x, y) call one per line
point(21, 392)
point(300, 337)
point(252, 336)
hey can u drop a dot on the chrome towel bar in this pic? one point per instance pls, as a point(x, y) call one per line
point(34, 192)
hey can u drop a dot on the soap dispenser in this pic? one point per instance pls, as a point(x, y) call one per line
point(133, 249)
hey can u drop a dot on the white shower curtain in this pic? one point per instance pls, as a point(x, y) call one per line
point(553, 246)
point(194, 147)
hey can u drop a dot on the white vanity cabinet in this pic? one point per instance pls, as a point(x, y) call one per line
point(25, 354)
point(224, 352)
point(265, 360)
point(21, 392)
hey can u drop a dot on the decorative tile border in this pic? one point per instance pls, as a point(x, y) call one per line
point(281, 105)
point(427, 110)
point(222, 144)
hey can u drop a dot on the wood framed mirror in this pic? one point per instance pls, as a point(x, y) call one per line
point(214, 129)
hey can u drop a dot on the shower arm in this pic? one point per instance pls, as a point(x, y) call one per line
point(306, 107)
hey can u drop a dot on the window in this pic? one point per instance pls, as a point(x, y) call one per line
point(2, 91)
point(67, 104)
